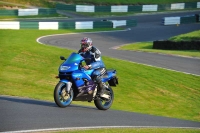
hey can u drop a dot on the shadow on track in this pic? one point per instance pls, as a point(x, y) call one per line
point(39, 102)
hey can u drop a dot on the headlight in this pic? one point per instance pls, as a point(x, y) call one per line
point(64, 68)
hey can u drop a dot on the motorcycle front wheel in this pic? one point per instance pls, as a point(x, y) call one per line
point(104, 104)
point(61, 97)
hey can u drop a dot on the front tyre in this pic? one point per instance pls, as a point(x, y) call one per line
point(104, 104)
point(61, 97)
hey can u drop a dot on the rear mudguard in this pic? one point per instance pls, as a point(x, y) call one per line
point(110, 77)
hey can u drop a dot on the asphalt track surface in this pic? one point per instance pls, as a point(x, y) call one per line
point(21, 114)
point(149, 29)
point(26, 114)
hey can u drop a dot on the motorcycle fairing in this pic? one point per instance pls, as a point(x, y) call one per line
point(89, 72)
point(78, 77)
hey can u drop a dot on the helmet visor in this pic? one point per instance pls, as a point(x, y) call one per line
point(84, 45)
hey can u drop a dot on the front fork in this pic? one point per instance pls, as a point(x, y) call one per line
point(66, 91)
point(68, 85)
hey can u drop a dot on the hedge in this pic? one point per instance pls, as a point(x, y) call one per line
point(171, 45)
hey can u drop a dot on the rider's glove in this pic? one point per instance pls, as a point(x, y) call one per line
point(87, 67)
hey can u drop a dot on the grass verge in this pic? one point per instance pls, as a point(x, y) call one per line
point(49, 3)
point(38, 3)
point(9, 6)
point(126, 2)
point(28, 70)
point(31, 17)
point(148, 46)
point(136, 130)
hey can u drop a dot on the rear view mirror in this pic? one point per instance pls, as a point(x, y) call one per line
point(62, 58)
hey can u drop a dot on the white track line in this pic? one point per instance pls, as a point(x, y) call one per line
point(95, 127)
point(161, 68)
point(75, 33)
point(117, 47)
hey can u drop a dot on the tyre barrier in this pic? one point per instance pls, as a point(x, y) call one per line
point(28, 12)
point(180, 20)
point(128, 8)
point(197, 17)
point(181, 45)
point(67, 25)
point(92, 8)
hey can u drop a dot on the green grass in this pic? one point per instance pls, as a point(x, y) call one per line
point(30, 17)
point(136, 130)
point(3, 5)
point(192, 36)
point(124, 2)
point(39, 3)
point(28, 70)
point(148, 46)
point(48, 3)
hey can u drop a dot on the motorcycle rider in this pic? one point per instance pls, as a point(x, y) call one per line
point(87, 50)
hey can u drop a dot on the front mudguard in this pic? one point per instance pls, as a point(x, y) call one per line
point(64, 81)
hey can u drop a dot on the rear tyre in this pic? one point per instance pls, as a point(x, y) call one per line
point(61, 97)
point(102, 103)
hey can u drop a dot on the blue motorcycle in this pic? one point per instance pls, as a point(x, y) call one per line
point(76, 84)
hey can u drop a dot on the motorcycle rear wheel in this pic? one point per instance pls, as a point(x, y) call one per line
point(103, 104)
point(61, 97)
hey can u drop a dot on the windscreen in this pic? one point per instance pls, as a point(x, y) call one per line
point(74, 57)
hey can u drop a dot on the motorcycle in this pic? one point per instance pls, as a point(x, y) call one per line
point(76, 84)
